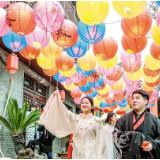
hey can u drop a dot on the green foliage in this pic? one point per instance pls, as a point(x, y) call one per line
point(18, 118)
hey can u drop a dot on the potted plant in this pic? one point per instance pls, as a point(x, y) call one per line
point(18, 122)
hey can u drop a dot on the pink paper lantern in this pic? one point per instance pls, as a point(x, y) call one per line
point(67, 82)
point(38, 38)
point(78, 100)
point(3, 3)
point(130, 59)
point(4, 29)
point(153, 96)
point(76, 78)
point(116, 92)
point(106, 71)
point(49, 15)
point(108, 82)
point(158, 18)
point(76, 90)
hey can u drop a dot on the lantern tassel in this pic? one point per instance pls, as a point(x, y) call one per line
point(29, 62)
point(50, 79)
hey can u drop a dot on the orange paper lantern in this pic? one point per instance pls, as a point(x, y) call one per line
point(138, 26)
point(81, 83)
point(64, 62)
point(154, 84)
point(77, 95)
point(93, 77)
point(150, 73)
point(107, 110)
point(67, 35)
point(120, 112)
point(90, 91)
point(113, 107)
point(30, 52)
point(103, 95)
point(110, 99)
point(120, 96)
point(105, 49)
point(50, 72)
point(155, 50)
point(20, 18)
point(134, 45)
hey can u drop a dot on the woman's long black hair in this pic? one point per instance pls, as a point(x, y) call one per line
point(109, 116)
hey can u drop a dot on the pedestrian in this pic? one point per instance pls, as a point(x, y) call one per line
point(137, 134)
point(108, 129)
point(87, 129)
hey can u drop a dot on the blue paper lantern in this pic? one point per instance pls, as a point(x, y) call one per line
point(86, 87)
point(14, 41)
point(103, 104)
point(98, 83)
point(113, 104)
point(60, 78)
point(93, 94)
point(82, 72)
point(158, 3)
point(91, 34)
point(78, 50)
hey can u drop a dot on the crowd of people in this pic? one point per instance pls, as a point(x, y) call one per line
point(135, 135)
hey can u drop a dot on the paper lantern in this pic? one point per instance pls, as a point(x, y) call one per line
point(67, 82)
point(30, 53)
point(88, 92)
point(120, 112)
point(117, 74)
point(155, 50)
point(99, 98)
point(129, 9)
point(38, 38)
point(78, 95)
point(20, 18)
point(156, 34)
point(3, 3)
point(96, 109)
point(103, 105)
point(93, 77)
point(82, 72)
point(78, 50)
point(135, 76)
point(107, 81)
point(86, 87)
point(118, 85)
point(138, 26)
point(49, 15)
point(45, 63)
point(133, 45)
point(153, 84)
point(75, 78)
point(91, 34)
point(68, 73)
point(110, 99)
point(150, 73)
point(78, 100)
point(158, 3)
point(130, 59)
point(98, 83)
point(76, 90)
point(51, 51)
point(58, 77)
point(109, 63)
point(146, 88)
point(67, 35)
point(93, 94)
point(150, 79)
point(113, 107)
point(50, 72)
point(132, 68)
point(107, 110)
point(4, 29)
point(14, 41)
point(103, 95)
point(64, 62)
point(87, 62)
point(81, 83)
point(120, 96)
point(151, 63)
point(106, 71)
point(106, 49)
point(92, 12)
point(101, 87)
point(70, 87)
point(104, 91)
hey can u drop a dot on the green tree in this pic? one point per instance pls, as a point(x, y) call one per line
point(18, 122)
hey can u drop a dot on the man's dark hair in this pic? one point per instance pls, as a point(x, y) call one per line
point(144, 94)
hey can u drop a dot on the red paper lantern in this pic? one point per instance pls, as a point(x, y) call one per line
point(105, 49)
point(120, 112)
point(132, 68)
point(96, 109)
point(20, 18)
point(150, 73)
point(67, 35)
point(138, 26)
point(154, 84)
point(107, 110)
point(113, 107)
point(93, 77)
point(12, 64)
point(155, 50)
point(30, 52)
point(134, 45)
point(81, 83)
point(117, 74)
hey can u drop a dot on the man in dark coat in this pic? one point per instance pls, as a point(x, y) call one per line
point(135, 128)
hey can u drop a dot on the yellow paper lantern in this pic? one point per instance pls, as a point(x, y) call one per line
point(45, 63)
point(92, 12)
point(146, 87)
point(152, 63)
point(99, 98)
point(129, 9)
point(104, 91)
point(126, 108)
point(156, 34)
point(135, 76)
point(52, 50)
point(110, 63)
point(96, 102)
point(150, 79)
point(87, 62)
point(118, 85)
point(70, 87)
point(68, 73)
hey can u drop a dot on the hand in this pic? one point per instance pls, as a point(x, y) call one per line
point(148, 148)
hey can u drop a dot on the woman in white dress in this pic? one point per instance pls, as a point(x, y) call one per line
point(108, 129)
point(87, 129)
